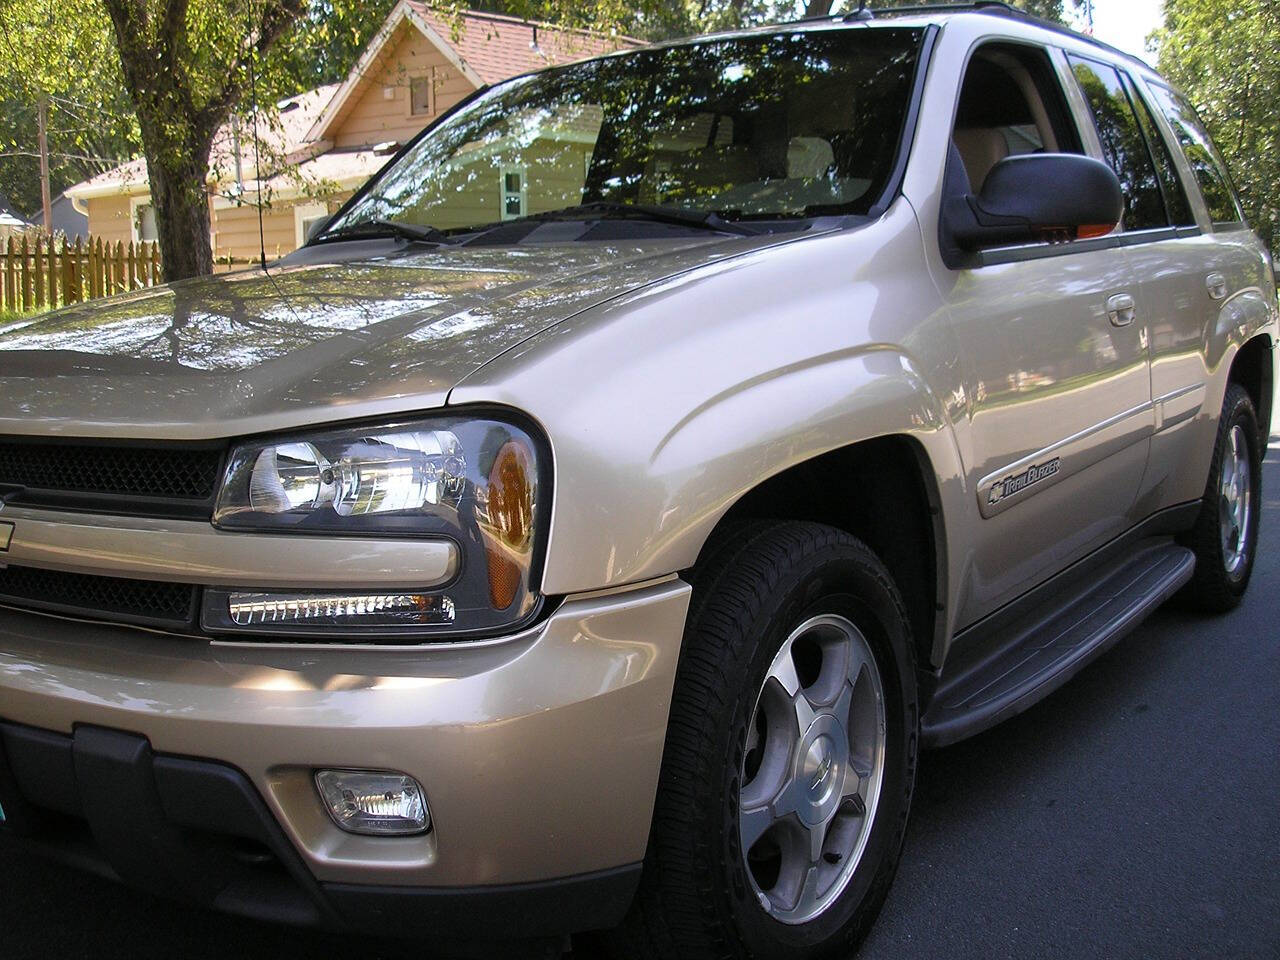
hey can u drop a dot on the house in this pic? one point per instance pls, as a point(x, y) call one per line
point(67, 220)
point(11, 222)
point(325, 143)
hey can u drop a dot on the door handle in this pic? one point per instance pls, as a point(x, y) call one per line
point(1122, 310)
point(1216, 284)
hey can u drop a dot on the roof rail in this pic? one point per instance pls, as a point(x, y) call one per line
point(991, 7)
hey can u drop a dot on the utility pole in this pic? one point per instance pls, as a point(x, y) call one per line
point(45, 198)
point(235, 146)
point(1088, 17)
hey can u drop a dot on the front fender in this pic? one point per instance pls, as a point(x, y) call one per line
point(664, 408)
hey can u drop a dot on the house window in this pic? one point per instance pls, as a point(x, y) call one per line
point(306, 216)
point(421, 95)
point(513, 193)
point(143, 214)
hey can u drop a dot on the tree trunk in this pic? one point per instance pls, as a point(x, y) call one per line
point(181, 203)
point(818, 8)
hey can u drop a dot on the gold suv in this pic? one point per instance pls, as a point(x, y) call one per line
point(587, 528)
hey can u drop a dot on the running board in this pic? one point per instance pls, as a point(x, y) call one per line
point(1043, 649)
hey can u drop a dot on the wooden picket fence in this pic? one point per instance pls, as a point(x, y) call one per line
point(38, 273)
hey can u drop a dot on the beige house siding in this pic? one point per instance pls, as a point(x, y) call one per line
point(110, 219)
point(236, 228)
point(235, 231)
point(372, 118)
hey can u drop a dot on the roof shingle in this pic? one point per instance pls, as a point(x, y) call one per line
point(497, 47)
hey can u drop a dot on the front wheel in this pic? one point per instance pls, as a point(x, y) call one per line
point(1225, 537)
point(790, 757)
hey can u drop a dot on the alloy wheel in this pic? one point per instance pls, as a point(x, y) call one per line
point(1235, 501)
point(813, 770)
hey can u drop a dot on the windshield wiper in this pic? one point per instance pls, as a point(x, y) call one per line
point(698, 219)
point(382, 229)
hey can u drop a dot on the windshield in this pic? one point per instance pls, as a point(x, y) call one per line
point(775, 126)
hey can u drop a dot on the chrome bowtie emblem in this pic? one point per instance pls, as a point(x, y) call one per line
point(824, 769)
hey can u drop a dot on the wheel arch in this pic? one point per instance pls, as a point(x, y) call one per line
point(898, 512)
point(1253, 367)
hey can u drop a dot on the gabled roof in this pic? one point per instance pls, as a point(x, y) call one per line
point(498, 47)
point(486, 48)
point(285, 141)
point(10, 217)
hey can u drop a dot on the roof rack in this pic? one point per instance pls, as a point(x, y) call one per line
point(991, 7)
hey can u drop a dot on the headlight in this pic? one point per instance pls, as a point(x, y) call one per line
point(473, 481)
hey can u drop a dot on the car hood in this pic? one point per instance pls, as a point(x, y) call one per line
point(366, 331)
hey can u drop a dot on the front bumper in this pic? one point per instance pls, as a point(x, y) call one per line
point(539, 756)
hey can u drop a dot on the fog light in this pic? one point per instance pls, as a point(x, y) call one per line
point(374, 803)
point(340, 609)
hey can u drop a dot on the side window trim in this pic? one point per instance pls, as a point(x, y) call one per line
point(1081, 115)
point(1115, 241)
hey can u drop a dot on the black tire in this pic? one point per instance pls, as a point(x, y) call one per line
point(1215, 588)
point(695, 900)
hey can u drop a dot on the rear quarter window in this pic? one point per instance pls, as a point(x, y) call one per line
point(1205, 161)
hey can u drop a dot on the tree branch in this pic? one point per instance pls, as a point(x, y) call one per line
point(174, 23)
point(277, 16)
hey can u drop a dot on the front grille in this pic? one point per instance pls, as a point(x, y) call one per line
point(136, 601)
point(160, 472)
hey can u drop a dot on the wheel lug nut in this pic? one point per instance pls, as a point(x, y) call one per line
point(855, 805)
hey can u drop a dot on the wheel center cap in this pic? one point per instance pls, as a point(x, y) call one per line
point(820, 769)
point(818, 765)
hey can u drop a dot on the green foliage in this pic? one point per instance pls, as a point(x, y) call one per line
point(324, 44)
point(46, 50)
point(1225, 54)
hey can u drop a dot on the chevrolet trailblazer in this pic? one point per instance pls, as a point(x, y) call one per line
point(588, 527)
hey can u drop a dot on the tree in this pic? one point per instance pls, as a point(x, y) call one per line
point(1225, 54)
point(186, 64)
point(46, 56)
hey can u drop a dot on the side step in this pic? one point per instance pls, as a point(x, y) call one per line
point(1044, 648)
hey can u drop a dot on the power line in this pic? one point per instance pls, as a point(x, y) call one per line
point(61, 156)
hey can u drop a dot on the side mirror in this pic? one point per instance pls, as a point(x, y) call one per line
point(316, 229)
point(1036, 196)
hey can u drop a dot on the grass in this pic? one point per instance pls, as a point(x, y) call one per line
point(10, 317)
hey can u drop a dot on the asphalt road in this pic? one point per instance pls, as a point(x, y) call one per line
point(1133, 814)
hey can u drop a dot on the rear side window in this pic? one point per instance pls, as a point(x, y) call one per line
point(1206, 164)
point(1175, 196)
point(1123, 144)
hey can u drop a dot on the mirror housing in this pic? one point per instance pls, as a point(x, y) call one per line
point(317, 228)
point(1036, 196)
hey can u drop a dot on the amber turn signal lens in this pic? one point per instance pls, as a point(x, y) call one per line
point(1094, 230)
point(510, 520)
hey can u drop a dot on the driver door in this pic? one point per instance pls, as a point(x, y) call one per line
point(1056, 368)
